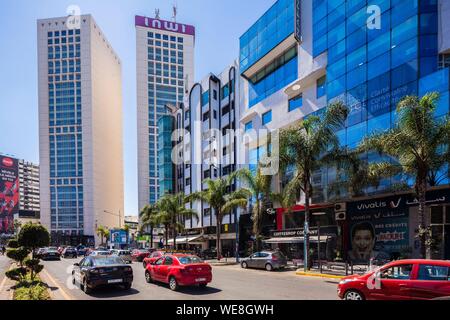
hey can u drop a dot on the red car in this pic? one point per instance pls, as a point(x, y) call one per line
point(179, 270)
point(140, 254)
point(400, 280)
point(152, 258)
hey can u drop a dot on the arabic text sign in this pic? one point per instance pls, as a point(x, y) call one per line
point(164, 25)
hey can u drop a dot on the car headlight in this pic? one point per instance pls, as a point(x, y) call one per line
point(346, 281)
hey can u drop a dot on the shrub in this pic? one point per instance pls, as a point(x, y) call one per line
point(13, 243)
point(18, 255)
point(33, 236)
point(34, 267)
point(17, 274)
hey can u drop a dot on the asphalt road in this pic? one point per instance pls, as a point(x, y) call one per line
point(229, 283)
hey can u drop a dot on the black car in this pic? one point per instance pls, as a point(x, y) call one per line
point(209, 254)
point(70, 252)
point(93, 272)
point(50, 254)
point(81, 250)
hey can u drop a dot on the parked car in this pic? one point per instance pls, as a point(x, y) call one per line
point(179, 270)
point(70, 252)
point(38, 253)
point(97, 253)
point(95, 271)
point(265, 260)
point(155, 255)
point(140, 254)
point(82, 250)
point(50, 254)
point(124, 254)
point(399, 280)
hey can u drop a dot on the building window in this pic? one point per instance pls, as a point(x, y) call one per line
point(295, 103)
point(215, 94)
point(188, 181)
point(321, 87)
point(248, 126)
point(267, 117)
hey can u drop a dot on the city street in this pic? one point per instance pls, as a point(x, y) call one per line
point(229, 283)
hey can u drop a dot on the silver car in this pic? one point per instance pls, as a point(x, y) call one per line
point(265, 260)
point(124, 254)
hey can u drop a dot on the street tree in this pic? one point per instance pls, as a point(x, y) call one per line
point(304, 147)
point(222, 200)
point(148, 219)
point(419, 147)
point(260, 187)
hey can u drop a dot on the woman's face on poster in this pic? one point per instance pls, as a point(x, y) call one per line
point(363, 241)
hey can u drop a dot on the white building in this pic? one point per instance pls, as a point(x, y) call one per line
point(210, 110)
point(80, 129)
point(165, 69)
point(28, 186)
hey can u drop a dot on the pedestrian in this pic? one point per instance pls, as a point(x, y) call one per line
point(3, 250)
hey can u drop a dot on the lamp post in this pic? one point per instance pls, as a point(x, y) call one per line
point(318, 214)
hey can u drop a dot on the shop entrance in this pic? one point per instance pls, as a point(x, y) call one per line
point(440, 227)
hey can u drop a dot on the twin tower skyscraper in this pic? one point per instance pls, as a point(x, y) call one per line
point(81, 119)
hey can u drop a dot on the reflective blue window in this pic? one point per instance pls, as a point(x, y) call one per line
point(248, 126)
point(295, 103)
point(321, 89)
point(267, 117)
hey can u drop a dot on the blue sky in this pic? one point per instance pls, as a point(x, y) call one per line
point(219, 23)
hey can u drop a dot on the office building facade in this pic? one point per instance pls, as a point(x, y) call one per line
point(301, 56)
point(28, 186)
point(165, 69)
point(80, 130)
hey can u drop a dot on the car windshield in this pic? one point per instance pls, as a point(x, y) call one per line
point(190, 260)
point(108, 261)
point(102, 253)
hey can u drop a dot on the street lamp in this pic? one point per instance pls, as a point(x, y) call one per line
point(318, 214)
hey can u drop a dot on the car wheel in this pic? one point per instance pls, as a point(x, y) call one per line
point(244, 265)
point(86, 288)
point(269, 267)
point(353, 295)
point(148, 277)
point(173, 284)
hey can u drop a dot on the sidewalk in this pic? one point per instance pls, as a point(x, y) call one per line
point(6, 292)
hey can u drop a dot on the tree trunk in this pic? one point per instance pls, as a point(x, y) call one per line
point(421, 193)
point(175, 237)
point(151, 237)
point(218, 232)
point(306, 254)
point(166, 227)
point(256, 225)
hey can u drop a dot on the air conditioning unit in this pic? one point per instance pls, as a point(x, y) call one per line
point(341, 216)
point(339, 207)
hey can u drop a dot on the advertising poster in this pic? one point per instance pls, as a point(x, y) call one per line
point(9, 193)
point(378, 229)
point(118, 237)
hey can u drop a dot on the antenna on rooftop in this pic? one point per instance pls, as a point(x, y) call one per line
point(175, 11)
point(157, 14)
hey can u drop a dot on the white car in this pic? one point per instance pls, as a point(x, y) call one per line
point(124, 254)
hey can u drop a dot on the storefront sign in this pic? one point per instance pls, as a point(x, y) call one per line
point(9, 193)
point(313, 231)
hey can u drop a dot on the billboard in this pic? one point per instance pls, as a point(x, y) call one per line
point(378, 228)
point(9, 193)
point(118, 237)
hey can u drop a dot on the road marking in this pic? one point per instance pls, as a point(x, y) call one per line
point(55, 283)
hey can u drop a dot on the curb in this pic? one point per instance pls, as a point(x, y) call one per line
point(224, 264)
point(318, 275)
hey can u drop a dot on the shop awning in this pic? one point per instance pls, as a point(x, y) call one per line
point(312, 239)
point(181, 240)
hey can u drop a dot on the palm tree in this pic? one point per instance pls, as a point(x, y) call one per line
point(259, 186)
point(304, 147)
point(102, 232)
point(420, 145)
point(354, 173)
point(172, 207)
point(222, 201)
point(147, 217)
